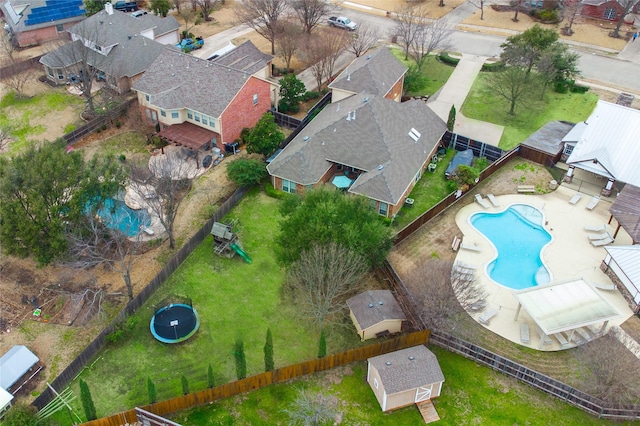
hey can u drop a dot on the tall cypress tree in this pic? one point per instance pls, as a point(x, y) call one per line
point(268, 352)
point(322, 345)
point(185, 385)
point(211, 381)
point(87, 401)
point(152, 391)
point(241, 360)
point(451, 122)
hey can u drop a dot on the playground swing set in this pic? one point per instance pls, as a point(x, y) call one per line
point(226, 242)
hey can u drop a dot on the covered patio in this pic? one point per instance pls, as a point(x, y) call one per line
point(190, 136)
point(564, 308)
point(626, 210)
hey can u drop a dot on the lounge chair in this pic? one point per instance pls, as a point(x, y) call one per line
point(593, 203)
point(456, 243)
point(493, 200)
point(470, 247)
point(603, 242)
point(482, 201)
point(524, 333)
point(606, 287)
point(575, 198)
point(600, 236)
point(563, 340)
point(595, 228)
point(486, 316)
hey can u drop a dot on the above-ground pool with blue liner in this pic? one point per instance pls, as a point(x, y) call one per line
point(117, 215)
point(519, 237)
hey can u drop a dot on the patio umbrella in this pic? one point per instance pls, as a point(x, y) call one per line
point(341, 181)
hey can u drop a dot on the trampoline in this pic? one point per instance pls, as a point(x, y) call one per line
point(174, 323)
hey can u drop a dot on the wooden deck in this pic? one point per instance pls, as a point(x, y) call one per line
point(428, 411)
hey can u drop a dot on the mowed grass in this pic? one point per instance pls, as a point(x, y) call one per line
point(234, 299)
point(435, 72)
point(471, 395)
point(533, 113)
point(16, 114)
point(428, 192)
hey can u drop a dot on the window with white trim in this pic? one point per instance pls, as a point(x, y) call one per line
point(196, 116)
point(190, 114)
point(383, 208)
point(568, 149)
point(60, 75)
point(255, 98)
point(175, 114)
point(375, 383)
point(146, 97)
point(49, 72)
point(163, 113)
point(288, 186)
point(609, 13)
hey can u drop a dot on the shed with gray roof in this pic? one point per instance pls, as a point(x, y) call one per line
point(17, 367)
point(405, 377)
point(374, 312)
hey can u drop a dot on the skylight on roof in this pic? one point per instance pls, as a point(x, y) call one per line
point(414, 134)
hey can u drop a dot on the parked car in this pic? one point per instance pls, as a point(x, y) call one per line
point(342, 22)
point(138, 13)
point(189, 44)
point(126, 6)
point(462, 158)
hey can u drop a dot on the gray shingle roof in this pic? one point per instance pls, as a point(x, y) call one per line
point(245, 57)
point(549, 137)
point(375, 73)
point(176, 80)
point(376, 140)
point(374, 306)
point(404, 373)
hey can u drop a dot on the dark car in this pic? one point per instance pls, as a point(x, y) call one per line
point(462, 158)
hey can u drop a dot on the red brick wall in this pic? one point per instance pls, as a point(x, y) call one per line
point(598, 11)
point(241, 112)
point(41, 35)
point(395, 94)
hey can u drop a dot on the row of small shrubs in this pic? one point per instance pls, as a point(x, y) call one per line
point(493, 66)
point(445, 58)
point(565, 86)
point(272, 192)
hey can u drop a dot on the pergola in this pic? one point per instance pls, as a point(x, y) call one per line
point(626, 210)
point(565, 307)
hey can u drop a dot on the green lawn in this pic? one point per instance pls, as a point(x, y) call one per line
point(16, 114)
point(435, 71)
point(471, 395)
point(428, 192)
point(234, 300)
point(530, 116)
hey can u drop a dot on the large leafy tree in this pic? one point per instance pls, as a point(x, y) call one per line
point(292, 91)
point(323, 216)
point(246, 171)
point(524, 50)
point(45, 191)
point(160, 7)
point(265, 137)
point(94, 6)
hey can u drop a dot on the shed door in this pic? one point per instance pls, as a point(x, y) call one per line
point(423, 393)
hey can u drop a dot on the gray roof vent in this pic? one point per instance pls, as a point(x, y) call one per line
point(365, 100)
point(411, 358)
point(380, 167)
point(380, 303)
point(368, 56)
point(414, 134)
point(306, 138)
point(371, 305)
point(348, 77)
point(388, 362)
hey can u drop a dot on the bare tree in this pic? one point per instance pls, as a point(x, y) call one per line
point(430, 36)
point(5, 136)
point(364, 39)
point(263, 16)
point(163, 186)
point(15, 82)
point(312, 408)
point(311, 12)
point(480, 5)
point(512, 84)
point(443, 291)
point(408, 23)
point(571, 10)
point(516, 5)
point(606, 366)
point(288, 40)
point(322, 279)
point(627, 5)
point(191, 18)
point(206, 7)
point(177, 4)
point(321, 51)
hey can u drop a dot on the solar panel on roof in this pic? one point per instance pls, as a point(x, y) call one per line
point(55, 10)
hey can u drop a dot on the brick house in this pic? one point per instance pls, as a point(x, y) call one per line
point(202, 104)
point(116, 46)
point(375, 312)
point(608, 10)
point(33, 22)
point(381, 146)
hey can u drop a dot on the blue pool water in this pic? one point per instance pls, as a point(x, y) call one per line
point(518, 236)
point(117, 215)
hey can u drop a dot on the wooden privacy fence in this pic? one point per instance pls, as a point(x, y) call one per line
point(18, 67)
point(78, 364)
point(96, 123)
point(535, 379)
point(307, 118)
point(258, 381)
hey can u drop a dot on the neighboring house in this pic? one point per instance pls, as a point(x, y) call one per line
point(119, 46)
point(34, 22)
point(608, 145)
point(375, 312)
point(5, 401)
point(405, 377)
point(376, 146)
point(378, 73)
point(546, 145)
point(203, 104)
point(17, 367)
point(609, 10)
point(623, 262)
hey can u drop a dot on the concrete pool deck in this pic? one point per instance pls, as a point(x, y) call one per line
point(569, 255)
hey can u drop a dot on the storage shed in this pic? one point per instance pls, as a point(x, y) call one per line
point(375, 312)
point(17, 367)
point(405, 377)
point(5, 401)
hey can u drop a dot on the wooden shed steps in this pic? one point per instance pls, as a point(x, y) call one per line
point(428, 411)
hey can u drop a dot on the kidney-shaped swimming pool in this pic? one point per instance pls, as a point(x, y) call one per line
point(518, 235)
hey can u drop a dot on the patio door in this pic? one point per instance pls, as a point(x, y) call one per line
point(423, 393)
